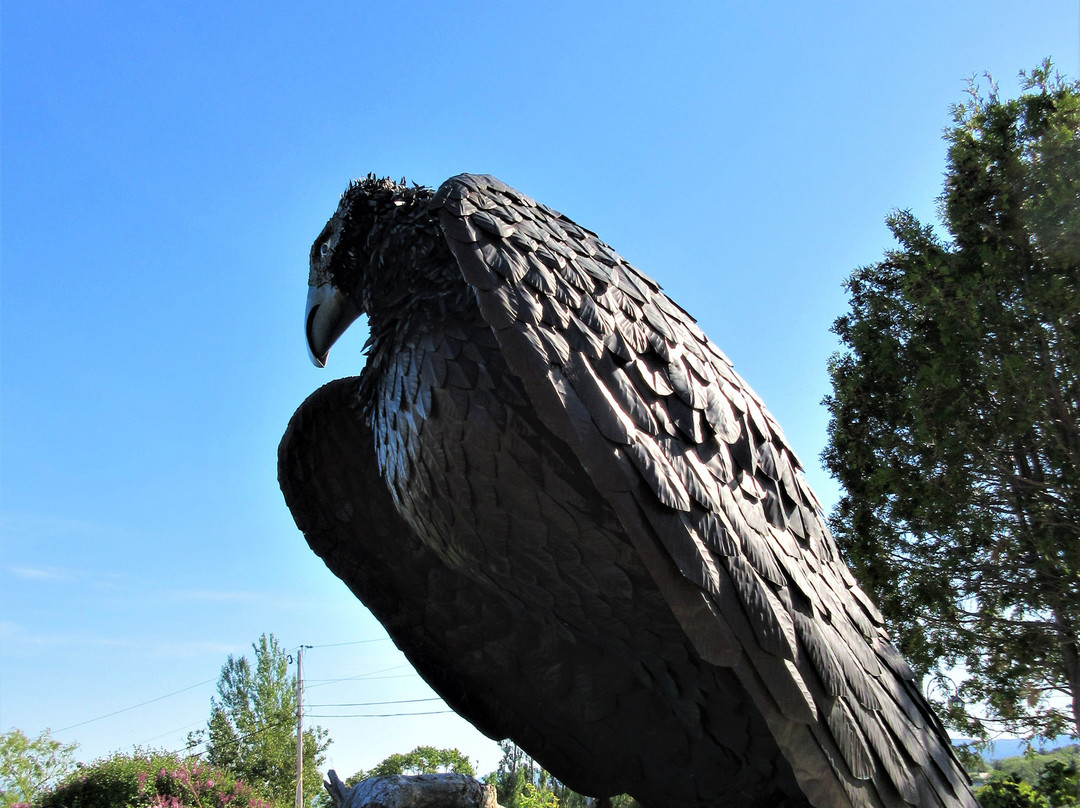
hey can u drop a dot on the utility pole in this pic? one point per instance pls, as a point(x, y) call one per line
point(300, 726)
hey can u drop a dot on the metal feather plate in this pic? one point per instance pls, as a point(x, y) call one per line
point(671, 425)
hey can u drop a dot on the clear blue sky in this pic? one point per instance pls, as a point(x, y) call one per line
point(166, 168)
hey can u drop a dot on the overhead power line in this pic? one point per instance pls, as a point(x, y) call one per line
point(368, 675)
point(172, 731)
point(239, 739)
point(135, 706)
point(380, 715)
point(208, 681)
point(375, 703)
point(354, 642)
point(362, 676)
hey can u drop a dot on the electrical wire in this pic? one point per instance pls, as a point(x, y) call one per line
point(134, 706)
point(372, 703)
point(208, 681)
point(370, 675)
point(171, 731)
point(354, 642)
point(378, 715)
point(241, 738)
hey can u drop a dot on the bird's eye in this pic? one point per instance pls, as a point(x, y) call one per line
point(324, 250)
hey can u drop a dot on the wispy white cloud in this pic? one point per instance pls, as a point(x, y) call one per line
point(50, 574)
point(54, 574)
point(216, 596)
point(18, 639)
point(17, 636)
point(99, 579)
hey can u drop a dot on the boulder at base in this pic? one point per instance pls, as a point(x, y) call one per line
point(412, 791)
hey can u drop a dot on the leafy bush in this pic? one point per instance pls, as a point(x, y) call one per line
point(1006, 793)
point(520, 782)
point(1054, 774)
point(1028, 766)
point(1060, 782)
point(151, 780)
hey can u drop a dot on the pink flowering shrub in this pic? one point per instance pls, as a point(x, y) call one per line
point(151, 780)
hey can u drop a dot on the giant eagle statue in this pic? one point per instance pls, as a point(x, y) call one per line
point(581, 526)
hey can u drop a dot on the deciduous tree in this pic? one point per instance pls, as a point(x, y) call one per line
point(252, 726)
point(28, 767)
point(955, 409)
point(423, 760)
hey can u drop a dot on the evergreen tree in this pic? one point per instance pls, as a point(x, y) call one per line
point(955, 423)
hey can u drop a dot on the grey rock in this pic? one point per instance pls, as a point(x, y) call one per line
point(412, 791)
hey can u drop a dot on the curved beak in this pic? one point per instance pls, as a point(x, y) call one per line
point(329, 313)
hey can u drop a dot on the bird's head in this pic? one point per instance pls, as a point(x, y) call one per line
point(356, 260)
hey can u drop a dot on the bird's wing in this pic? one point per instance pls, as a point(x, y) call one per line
point(346, 513)
point(710, 493)
point(491, 662)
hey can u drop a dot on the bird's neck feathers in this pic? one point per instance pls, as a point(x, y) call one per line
point(411, 284)
point(404, 276)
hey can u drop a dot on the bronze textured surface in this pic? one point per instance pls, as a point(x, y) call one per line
point(583, 527)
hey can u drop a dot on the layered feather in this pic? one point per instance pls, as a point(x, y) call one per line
point(657, 409)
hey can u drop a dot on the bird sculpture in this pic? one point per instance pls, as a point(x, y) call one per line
point(581, 526)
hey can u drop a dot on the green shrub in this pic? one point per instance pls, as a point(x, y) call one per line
point(1007, 793)
point(151, 780)
point(1060, 782)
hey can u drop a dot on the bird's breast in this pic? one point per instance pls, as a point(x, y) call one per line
point(493, 492)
